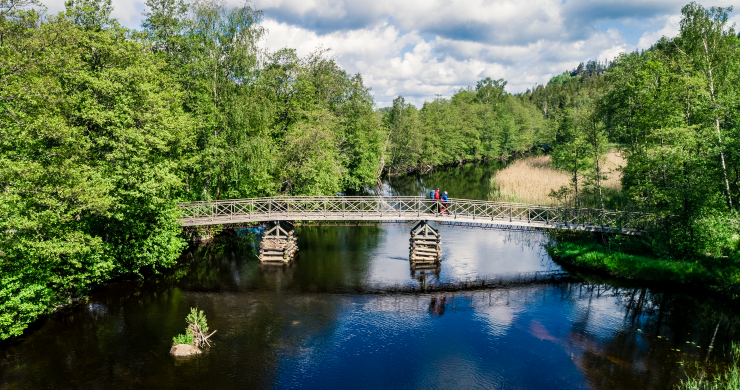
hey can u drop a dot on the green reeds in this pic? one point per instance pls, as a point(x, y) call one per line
point(730, 380)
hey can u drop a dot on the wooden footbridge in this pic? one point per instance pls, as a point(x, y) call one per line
point(407, 208)
point(279, 246)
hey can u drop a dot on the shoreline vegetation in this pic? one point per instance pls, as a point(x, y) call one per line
point(729, 380)
point(106, 128)
point(535, 180)
point(623, 259)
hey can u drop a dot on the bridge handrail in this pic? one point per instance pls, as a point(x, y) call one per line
point(306, 207)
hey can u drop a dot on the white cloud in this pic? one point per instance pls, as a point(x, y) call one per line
point(394, 63)
point(670, 29)
point(421, 48)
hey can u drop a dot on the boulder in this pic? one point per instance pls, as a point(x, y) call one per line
point(184, 350)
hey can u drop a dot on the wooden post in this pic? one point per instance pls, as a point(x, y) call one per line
point(277, 248)
point(425, 247)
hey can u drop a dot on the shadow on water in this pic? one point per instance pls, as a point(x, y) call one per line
point(350, 312)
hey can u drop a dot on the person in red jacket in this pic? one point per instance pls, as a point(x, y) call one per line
point(436, 197)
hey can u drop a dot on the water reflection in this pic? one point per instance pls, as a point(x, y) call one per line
point(469, 181)
point(348, 313)
point(565, 335)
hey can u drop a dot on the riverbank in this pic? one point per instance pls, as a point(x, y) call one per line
point(716, 274)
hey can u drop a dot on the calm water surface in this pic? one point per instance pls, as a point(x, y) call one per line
point(334, 319)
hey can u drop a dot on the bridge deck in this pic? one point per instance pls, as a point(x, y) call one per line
point(411, 208)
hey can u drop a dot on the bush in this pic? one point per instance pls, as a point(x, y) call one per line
point(197, 318)
point(186, 338)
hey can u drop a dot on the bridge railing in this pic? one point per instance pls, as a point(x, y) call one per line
point(398, 207)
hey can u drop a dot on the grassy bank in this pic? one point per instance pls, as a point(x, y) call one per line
point(718, 274)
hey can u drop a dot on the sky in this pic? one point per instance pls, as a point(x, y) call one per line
point(424, 49)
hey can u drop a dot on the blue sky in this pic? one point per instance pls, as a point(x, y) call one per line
point(423, 48)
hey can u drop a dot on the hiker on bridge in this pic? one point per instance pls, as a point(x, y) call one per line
point(445, 203)
point(436, 197)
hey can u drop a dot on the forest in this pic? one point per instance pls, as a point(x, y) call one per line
point(103, 129)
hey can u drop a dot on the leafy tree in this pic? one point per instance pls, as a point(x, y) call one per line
point(90, 14)
point(490, 91)
point(571, 152)
point(91, 133)
point(596, 141)
point(708, 48)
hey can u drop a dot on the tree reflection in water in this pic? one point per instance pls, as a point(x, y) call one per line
point(656, 339)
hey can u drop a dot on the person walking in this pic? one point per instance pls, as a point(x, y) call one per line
point(436, 198)
point(431, 196)
point(445, 203)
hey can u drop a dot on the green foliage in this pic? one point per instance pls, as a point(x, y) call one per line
point(672, 107)
point(186, 338)
point(103, 130)
point(729, 380)
point(560, 79)
point(92, 132)
point(619, 260)
point(717, 232)
point(483, 124)
point(197, 318)
point(266, 123)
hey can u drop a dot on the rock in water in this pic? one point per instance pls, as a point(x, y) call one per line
point(184, 350)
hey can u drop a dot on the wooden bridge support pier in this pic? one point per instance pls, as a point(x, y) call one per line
point(426, 247)
point(278, 245)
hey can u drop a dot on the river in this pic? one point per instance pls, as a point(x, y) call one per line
point(347, 314)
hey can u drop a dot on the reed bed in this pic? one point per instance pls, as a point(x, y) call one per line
point(729, 380)
point(531, 180)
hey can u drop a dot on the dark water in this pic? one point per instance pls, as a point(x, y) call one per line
point(335, 319)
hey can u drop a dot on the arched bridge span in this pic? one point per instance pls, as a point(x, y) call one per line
point(407, 208)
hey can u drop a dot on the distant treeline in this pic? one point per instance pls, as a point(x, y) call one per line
point(104, 129)
point(480, 123)
point(673, 111)
point(485, 122)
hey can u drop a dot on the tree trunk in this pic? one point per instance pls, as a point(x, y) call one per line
point(724, 167)
point(382, 160)
point(575, 180)
point(716, 123)
point(598, 178)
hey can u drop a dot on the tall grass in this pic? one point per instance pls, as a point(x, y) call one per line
point(531, 180)
point(730, 380)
